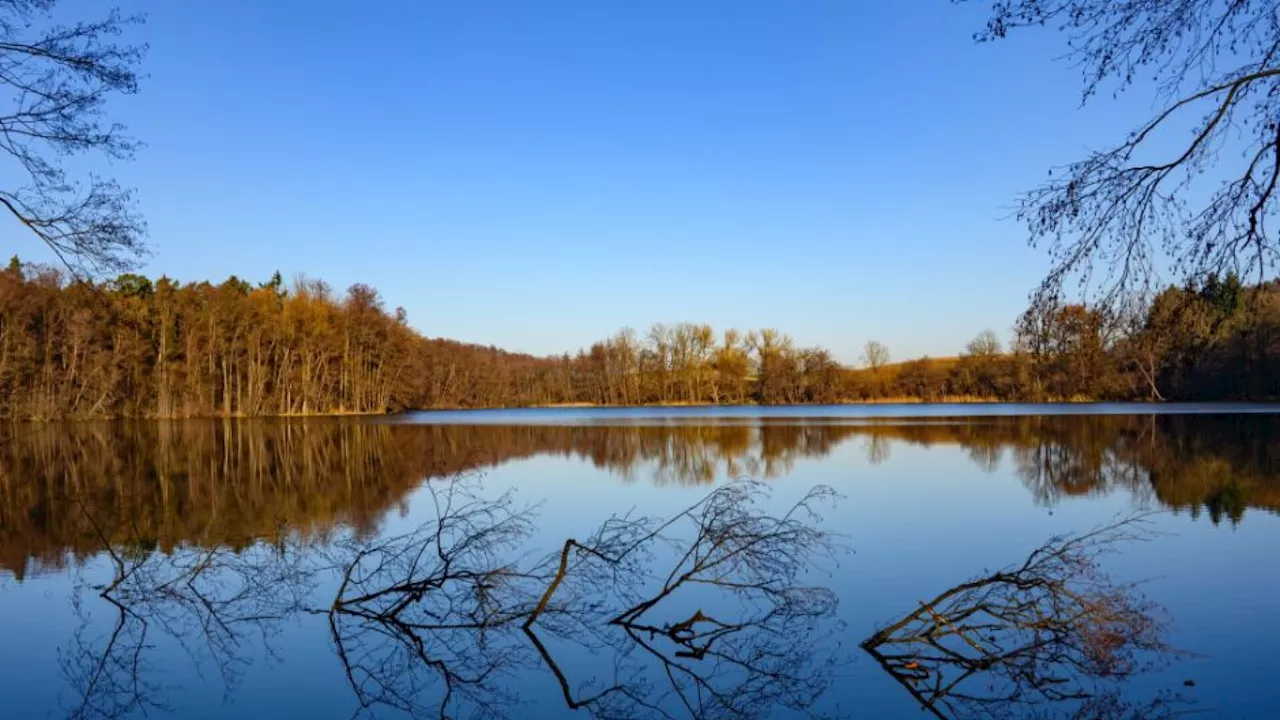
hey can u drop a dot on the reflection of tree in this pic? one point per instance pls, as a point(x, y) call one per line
point(218, 482)
point(1053, 637)
point(231, 483)
point(1219, 464)
point(444, 617)
point(878, 449)
point(987, 457)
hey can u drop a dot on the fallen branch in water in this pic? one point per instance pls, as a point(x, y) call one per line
point(1054, 636)
point(428, 619)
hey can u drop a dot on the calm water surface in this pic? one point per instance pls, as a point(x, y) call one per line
point(388, 568)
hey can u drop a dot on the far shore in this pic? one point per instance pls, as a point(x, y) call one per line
point(957, 400)
point(916, 402)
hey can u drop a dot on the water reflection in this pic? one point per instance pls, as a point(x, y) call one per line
point(711, 613)
point(454, 620)
point(725, 629)
point(220, 606)
point(230, 483)
point(1053, 637)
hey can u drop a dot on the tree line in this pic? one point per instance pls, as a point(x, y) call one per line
point(133, 347)
point(1210, 340)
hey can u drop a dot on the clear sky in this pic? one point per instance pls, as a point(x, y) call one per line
point(538, 174)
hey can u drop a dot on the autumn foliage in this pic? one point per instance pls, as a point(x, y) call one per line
point(132, 347)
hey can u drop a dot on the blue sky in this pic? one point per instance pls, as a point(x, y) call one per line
point(538, 174)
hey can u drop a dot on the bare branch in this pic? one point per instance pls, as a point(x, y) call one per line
point(1114, 221)
point(1052, 637)
point(59, 79)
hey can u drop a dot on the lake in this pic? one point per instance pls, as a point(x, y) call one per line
point(1091, 561)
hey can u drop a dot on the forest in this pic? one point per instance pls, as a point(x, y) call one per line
point(133, 347)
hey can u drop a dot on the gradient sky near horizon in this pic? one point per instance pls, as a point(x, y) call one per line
point(538, 174)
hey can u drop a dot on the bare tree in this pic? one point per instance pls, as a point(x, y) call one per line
point(985, 345)
point(1111, 219)
point(1052, 637)
point(1148, 336)
point(59, 78)
point(875, 355)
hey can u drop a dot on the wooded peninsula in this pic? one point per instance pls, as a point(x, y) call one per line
point(133, 347)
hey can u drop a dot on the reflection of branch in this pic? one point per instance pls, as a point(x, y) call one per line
point(438, 618)
point(705, 615)
point(110, 681)
point(215, 596)
point(1054, 631)
point(392, 665)
point(764, 658)
point(433, 600)
point(457, 557)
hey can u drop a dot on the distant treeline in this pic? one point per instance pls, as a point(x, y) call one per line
point(132, 347)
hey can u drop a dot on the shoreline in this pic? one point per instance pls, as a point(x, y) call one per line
point(1166, 406)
